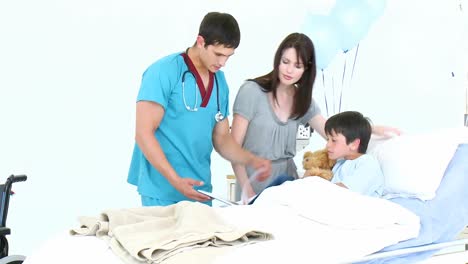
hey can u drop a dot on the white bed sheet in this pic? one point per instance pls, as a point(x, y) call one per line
point(319, 223)
point(64, 248)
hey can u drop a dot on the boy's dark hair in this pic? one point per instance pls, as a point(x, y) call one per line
point(220, 28)
point(352, 125)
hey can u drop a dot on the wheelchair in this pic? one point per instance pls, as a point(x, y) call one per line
point(5, 192)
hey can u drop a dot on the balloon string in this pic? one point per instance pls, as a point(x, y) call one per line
point(324, 91)
point(354, 63)
point(344, 69)
point(342, 82)
point(334, 97)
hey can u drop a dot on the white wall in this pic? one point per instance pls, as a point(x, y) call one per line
point(70, 71)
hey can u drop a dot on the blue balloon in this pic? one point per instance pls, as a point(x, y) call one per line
point(352, 20)
point(323, 33)
point(376, 8)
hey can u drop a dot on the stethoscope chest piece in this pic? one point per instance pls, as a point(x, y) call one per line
point(219, 117)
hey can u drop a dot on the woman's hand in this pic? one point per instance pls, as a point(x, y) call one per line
point(247, 193)
point(385, 131)
point(262, 168)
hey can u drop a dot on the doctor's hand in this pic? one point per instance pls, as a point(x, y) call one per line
point(262, 167)
point(185, 186)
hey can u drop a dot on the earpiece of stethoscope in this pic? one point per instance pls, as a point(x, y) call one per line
point(191, 109)
point(219, 117)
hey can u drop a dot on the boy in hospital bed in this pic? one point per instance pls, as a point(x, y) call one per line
point(348, 134)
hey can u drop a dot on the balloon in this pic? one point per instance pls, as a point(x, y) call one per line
point(323, 33)
point(375, 8)
point(352, 20)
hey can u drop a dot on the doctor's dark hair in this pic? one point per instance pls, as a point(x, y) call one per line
point(220, 28)
point(306, 53)
point(352, 125)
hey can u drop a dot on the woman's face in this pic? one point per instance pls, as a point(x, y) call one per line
point(290, 68)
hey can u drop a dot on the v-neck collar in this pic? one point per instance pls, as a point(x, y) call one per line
point(272, 110)
point(205, 93)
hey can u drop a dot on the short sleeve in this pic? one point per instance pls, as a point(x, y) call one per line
point(246, 100)
point(224, 100)
point(158, 81)
point(314, 110)
point(363, 176)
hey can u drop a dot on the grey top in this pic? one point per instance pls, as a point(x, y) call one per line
point(266, 135)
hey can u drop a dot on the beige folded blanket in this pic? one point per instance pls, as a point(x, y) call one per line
point(153, 234)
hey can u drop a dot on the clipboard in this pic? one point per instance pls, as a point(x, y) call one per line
point(213, 196)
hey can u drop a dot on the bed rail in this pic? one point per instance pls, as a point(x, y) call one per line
point(404, 251)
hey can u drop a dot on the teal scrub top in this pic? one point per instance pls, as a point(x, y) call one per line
point(185, 136)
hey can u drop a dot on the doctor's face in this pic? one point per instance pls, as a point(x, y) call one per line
point(215, 56)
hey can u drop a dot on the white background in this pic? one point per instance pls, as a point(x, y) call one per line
point(70, 72)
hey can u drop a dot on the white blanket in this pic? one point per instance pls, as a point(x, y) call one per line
point(315, 221)
point(312, 220)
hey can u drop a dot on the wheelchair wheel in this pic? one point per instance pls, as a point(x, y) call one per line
point(14, 259)
point(3, 247)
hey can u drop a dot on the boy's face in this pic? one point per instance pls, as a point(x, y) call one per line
point(337, 147)
point(214, 57)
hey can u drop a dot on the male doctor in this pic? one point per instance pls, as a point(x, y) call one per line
point(181, 114)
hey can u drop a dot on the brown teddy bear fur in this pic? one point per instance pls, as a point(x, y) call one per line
point(317, 163)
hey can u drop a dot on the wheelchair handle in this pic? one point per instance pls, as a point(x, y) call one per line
point(17, 178)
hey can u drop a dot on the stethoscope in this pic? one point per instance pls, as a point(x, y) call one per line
point(218, 116)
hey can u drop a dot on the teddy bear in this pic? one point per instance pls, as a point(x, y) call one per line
point(317, 163)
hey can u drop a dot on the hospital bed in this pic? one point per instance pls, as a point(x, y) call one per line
point(442, 218)
point(354, 239)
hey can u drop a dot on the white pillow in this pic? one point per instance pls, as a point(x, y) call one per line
point(413, 164)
